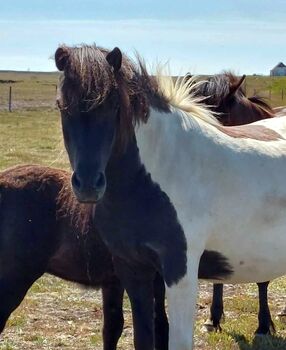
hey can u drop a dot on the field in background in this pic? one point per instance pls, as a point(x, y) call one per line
point(273, 89)
point(38, 90)
point(60, 315)
point(29, 90)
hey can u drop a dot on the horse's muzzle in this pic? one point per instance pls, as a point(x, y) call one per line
point(88, 191)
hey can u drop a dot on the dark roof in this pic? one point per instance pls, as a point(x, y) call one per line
point(280, 65)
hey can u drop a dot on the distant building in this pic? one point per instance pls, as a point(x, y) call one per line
point(278, 70)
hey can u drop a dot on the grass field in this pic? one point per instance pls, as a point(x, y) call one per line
point(56, 314)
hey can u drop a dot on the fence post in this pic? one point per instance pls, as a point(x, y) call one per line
point(10, 98)
point(282, 94)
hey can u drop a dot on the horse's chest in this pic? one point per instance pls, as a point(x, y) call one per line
point(123, 228)
point(145, 230)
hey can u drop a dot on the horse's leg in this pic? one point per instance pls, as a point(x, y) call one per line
point(265, 323)
point(182, 298)
point(12, 291)
point(140, 293)
point(161, 319)
point(113, 315)
point(216, 310)
point(138, 282)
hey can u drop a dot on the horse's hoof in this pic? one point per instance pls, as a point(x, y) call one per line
point(209, 327)
point(260, 334)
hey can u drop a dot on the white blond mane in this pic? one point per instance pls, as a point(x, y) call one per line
point(180, 94)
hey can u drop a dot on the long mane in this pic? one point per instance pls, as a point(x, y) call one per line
point(181, 94)
point(89, 80)
point(259, 104)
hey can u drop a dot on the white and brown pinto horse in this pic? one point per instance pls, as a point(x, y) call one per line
point(228, 187)
point(227, 184)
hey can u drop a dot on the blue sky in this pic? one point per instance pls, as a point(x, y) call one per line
point(206, 36)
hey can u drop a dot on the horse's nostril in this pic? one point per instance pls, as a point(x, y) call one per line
point(99, 180)
point(90, 185)
point(75, 181)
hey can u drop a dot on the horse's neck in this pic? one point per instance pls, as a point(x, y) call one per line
point(243, 115)
point(175, 147)
point(135, 217)
point(124, 169)
point(165, 137)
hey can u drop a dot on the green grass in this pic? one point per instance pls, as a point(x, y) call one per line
point(31, 137)
point(17, 321)
point(29, 90)
point(6, 345)
point(268, 87)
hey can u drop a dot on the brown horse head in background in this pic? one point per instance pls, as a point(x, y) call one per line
point(226, 96)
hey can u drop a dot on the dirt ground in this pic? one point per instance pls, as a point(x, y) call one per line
point(57, 314)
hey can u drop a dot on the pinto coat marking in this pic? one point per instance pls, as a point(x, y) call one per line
point(212, 181)
point(251, 131)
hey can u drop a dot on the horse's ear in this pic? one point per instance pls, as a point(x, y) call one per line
point(114, 58)
point(235, 86)
point(61, 57)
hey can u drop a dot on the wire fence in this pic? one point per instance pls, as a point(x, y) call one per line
point(41, 94)
point(269, 94)
point(16, 97)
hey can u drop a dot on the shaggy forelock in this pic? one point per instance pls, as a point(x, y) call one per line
point(89, 80)
point(89, 77)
